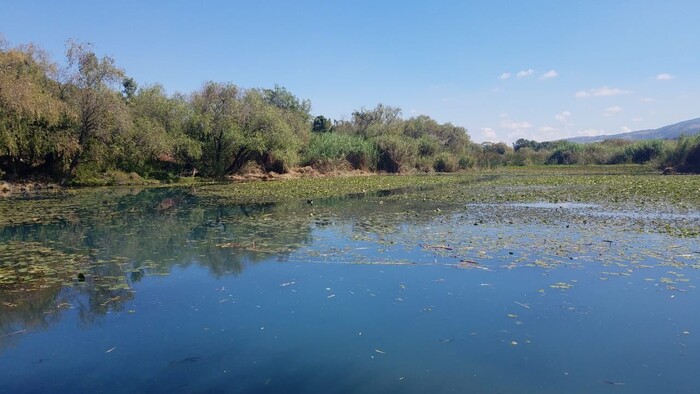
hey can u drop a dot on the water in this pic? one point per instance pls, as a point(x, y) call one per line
point(374, 294)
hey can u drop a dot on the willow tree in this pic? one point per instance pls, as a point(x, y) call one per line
point(91, 87)
point(33, 119)
point(215, 123)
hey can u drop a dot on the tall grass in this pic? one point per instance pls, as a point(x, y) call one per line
point(331, 147)
point(684, 155)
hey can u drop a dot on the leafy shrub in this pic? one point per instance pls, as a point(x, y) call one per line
point(466, 162)
point(644, 151)
point(684, 155)
point(444, 162)
point(396, 153)
point(325, 147)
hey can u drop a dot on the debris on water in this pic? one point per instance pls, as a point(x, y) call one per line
point(379, 351)
point(513, 343)
point(111, 350)
point(561, 285)
point(448, 340)
point(14, 333)
point(331, 296)
point(512, 316)
point(113, 299)
point(437, 247)
point(184, 360)
point(613, 383)
point(285, 284)
point(526, 306)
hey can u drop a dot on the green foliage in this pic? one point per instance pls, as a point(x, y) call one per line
point(444, 162)
point(566, 153)
point(683, 155)
point(283, 99)
point(327, 147)
point(322, 125)
point(397, 153)
point(644, 151)
point(466, 162)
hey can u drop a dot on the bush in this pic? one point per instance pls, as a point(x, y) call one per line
point(684, 155)
point(328, 147)
point(644, 151)
point(396, 153)
point(466, 162)
point(444, 162)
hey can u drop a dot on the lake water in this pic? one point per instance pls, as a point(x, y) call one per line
point(160, 291)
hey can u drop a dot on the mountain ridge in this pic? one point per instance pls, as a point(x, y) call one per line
point(669, 132)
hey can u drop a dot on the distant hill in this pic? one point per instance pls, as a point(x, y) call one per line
point(688, 127)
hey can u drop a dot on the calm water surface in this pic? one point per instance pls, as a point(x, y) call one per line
point(364, 294)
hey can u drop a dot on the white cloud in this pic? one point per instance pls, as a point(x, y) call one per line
point(637, 119)
point(612, 111)
point(604, 91)
point(504, 76)
point(625, 129)
point(591, 132)
point(550, 74)
point(489, 133)
point(563, 117)
point(647, 100)
point(548, 129)
point(664, 77)
point(525, 73)
point(515, 125)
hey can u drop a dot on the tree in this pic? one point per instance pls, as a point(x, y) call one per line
point(283, 99)
point(90, 89)
point(156, 137)
point(129, 87)
point(382, 119)
point(33, 119)
point(322, 125)
point(216, 124)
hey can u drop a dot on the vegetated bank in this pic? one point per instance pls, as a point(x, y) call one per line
point(89, 123)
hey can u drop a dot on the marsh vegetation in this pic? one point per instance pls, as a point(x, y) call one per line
point(89, 123)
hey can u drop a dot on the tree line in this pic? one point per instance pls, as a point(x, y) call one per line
point(89, 118)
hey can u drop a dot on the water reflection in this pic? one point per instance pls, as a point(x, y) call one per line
point(89, 256)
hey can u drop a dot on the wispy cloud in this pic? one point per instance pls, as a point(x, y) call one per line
point(525, 73)
point(548, 129)
point(515, 125)
point(664, 77)
point(625, 129)
point(604, 91)
point(591, 132)
point(549, 75)
point(504, 76)
point(564, 117)
point(647, 100)
point(612, 111)
point(489, 133)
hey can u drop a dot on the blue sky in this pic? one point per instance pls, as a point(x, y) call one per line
point(502, 69)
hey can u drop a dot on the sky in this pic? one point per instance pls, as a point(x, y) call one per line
point(504, 70)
